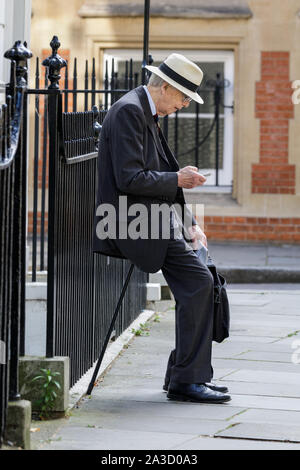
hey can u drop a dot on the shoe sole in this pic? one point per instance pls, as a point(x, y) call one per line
point(174, 397)
point(221, 391)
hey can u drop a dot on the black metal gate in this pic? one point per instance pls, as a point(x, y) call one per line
point(13, 174)
point(81, 287)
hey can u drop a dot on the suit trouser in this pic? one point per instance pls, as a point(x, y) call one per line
point(192, 286)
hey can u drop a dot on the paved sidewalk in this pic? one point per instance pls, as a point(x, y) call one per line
point(250, 254)
point(129, 410)
point(257, 263)
point(249, 263)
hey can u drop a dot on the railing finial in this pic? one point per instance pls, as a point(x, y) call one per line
point(54, 64)
point(19, 53)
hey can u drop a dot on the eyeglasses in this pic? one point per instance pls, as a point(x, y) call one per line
point(186, 99)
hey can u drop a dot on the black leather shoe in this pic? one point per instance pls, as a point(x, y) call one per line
point(196, 393)
point(215, 388)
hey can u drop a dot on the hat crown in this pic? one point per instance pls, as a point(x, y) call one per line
point(184, 67)
point(181, 73)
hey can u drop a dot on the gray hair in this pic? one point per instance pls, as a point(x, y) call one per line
point(156, 81)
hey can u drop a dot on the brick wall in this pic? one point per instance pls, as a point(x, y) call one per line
point(30, 222)
point(252, 229)
point(273, 173)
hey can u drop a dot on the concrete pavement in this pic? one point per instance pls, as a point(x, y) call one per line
point(258, 255)
point(260, 363)
point(257, 263)
point(246, 263)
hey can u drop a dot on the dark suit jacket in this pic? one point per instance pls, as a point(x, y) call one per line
point(134, 162)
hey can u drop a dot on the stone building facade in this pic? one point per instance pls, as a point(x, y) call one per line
point(256, 43)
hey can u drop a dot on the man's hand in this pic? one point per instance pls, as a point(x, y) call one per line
point(197, 234)
point(188, 177)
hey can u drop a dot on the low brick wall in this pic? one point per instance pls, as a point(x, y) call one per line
point(273, 174)
point(252, 228)
point(30, 222)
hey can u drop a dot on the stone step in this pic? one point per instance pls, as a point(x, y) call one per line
point(158, 277)
point(153, 291)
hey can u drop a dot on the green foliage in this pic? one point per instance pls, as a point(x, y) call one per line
point(142, 331)
point(295, 333)
point(49, 388)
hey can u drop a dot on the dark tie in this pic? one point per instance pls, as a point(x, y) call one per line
point(155, 117)
point(164, 143)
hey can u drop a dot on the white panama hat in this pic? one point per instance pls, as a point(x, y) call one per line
point(181, 73)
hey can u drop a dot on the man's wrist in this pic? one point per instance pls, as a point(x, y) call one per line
point(178, 179)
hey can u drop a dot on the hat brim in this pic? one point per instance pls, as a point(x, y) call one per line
point(184, 90)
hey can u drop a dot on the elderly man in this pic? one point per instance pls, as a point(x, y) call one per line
point(136, 165)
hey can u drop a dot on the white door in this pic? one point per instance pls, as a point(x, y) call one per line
point(211, 62)
point(2, 27)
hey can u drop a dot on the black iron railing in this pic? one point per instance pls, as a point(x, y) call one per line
point(81, 286)
point(13, 174)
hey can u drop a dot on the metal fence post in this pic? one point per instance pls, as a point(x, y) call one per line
point(54, 64)
point(217, 93)
point(146, 40)
point(18, 53)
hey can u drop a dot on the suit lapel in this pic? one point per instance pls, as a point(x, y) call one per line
point(172, 160)
point(150, 122)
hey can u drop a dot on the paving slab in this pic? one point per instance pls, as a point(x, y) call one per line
point(258, 366)
point(277, 417)
point(270, 332)
point(150, 423)
point(271, 286)
point(221, 373)
point(262, 389)
point(288, 341)
point(262, 431)
point(264, 402)
point(281, 357)
point(78, 438)
point(237, 347)
point(265, 376)
point(289, 322)
point(239, 338)
point(102, 406)
point(204, 443)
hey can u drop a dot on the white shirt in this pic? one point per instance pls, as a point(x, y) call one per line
point(151, 102)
